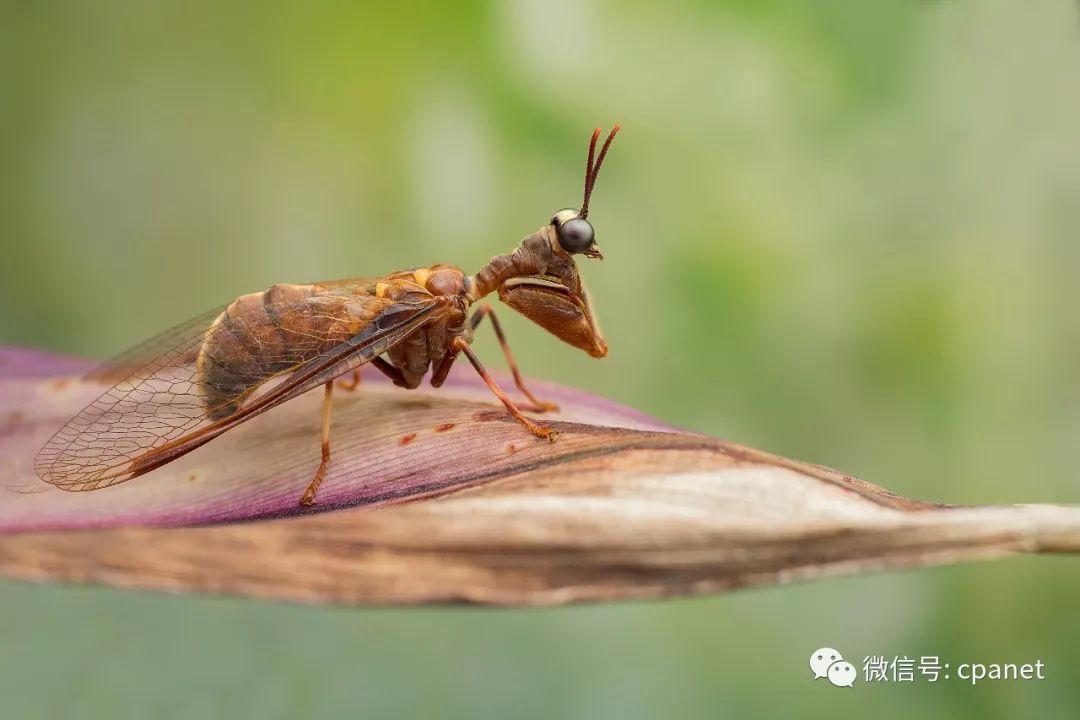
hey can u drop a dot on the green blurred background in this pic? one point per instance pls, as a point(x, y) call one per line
point(843, 231)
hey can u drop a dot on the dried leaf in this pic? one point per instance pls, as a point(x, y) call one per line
point(621, 506)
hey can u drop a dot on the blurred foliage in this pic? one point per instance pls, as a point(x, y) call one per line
point(843, 231)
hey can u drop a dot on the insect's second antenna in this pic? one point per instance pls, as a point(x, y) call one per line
point(591, 170)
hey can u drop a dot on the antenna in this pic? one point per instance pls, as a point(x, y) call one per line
point(591, 171)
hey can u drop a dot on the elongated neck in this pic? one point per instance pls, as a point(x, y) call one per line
point(531, 258)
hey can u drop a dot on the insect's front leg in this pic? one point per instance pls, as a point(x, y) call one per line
point(460, 345)
point(485, 310)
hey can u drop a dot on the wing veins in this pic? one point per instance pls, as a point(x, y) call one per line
point(78, 470)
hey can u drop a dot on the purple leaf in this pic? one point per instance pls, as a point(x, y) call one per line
point(621, 505)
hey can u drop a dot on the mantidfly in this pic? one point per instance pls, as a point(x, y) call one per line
point(185, 387)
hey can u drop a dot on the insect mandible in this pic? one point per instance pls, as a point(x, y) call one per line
point(183, 388)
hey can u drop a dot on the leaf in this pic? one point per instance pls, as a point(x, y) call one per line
point(620, 506)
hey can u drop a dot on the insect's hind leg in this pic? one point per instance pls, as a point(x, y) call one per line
point(396, 376)
point(486, 310)
point(309, 494)
point(353, 383)
point(382, 366)
point(540, 431)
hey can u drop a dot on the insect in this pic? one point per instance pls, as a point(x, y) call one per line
point(185, 387)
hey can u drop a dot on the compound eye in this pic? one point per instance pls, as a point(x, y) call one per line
point(576, 236)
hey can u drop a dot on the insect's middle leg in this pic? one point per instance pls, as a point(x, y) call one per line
point(486, 310)
point(459, 345)
point(313, 488)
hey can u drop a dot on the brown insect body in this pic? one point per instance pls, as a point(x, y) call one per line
point(261, 335)
point(180, 390)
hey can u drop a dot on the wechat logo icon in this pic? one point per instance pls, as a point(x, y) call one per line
point(829, 663)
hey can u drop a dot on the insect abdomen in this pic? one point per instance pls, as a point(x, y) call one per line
point(234, 357)
point(262, 335)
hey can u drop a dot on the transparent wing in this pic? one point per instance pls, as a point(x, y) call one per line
point(189, 335)
point(220, 376)
point(124, 365)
